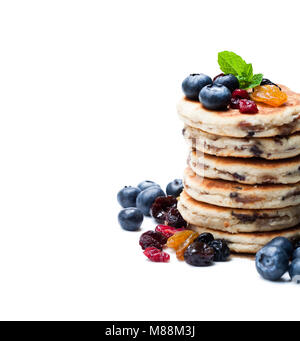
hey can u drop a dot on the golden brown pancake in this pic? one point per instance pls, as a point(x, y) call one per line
point(269, 121)
point(249, 242)
point(236, 195)
point(271, 148)
point(236, 220)
point(247, 171)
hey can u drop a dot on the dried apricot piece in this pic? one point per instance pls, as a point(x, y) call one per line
point(178, 238)
point(180, 251)
point(269, 94)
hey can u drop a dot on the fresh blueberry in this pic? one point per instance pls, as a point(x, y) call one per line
point(230, 81)
point(147, 197)
point(283, 243)
point(215, 97)
point(294, 270)
point(130, 219)
point(146, 184)
point(193, 84)
point(296, 253)
point(175, 187)
point(127, 196)
point(272, 262)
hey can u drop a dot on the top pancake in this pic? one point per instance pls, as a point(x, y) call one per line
point(269, 121)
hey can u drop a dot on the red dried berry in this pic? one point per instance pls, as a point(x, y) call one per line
point(235, 103)
point(240, 94)
point(236, 96)
point(167, 231)
point(247, 106)
point(152, 238)
point(174, 218)
point(156, 255)
point(161, 206)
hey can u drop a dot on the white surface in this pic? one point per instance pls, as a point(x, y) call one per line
point(87, 105)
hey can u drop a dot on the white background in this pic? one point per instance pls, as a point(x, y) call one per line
point(87, 105)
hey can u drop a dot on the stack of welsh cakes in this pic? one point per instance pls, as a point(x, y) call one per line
point(242, 182)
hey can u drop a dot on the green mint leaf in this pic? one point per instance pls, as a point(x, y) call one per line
point(248, 71)
point(255, 81)
point(230, 62)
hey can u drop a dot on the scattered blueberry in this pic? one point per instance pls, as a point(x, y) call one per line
point(272, 262)
point(215, 97)
point(146, 198)
point(230, 81)
point(296, 253)
point(283, 243)
point(205, 238)
point(193, 84)
point(130, 219)
point(146, 184)
point(221, 248)
point(175, 187)
point(294, 270)
point(127, 196)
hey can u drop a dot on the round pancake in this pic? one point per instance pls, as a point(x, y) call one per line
point(236, 195)
point(269, 121)
point(271, 148)
point(249, 242)
point(235, 220)
point(247, 171)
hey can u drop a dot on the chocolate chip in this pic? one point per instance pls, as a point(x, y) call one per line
point(245, 218)
point(233, 195)
point(256, 151)
point(239, 177)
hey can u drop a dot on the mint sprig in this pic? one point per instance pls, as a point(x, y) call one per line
point(230, 62)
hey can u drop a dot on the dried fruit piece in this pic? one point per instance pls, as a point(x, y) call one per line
point(161, 206)
point(174, 218)
point(269, 94)
point(180, 251)
point(247, 106)
point(156, 255)
point(199, 254)
point(221, 248)
point(167, 231)
point(240, 94)
point(266, 81)
point(178, 238)
point(205, 237)
point(152, 238)
point(236, 96)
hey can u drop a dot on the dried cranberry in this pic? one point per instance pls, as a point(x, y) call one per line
point(236, 96)
point(240, 94)
point(235, 103)
point(156, 255)
point(167, 231)
point(152, 238)
point(247, 106)
point(161, 206)
point(220, 75)
point(174, 218)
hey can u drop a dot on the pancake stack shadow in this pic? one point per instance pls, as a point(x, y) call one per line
point(243, 189)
